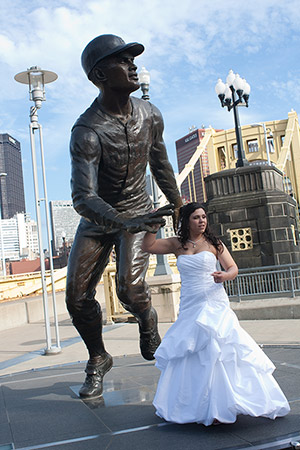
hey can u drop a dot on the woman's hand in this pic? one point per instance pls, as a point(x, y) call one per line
point(219, 276)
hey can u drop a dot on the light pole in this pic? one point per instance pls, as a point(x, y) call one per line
point(266, 138)
point(36, 78)
point(162, 265)
point(227, 95)
point(144, 78)
point(2, 175)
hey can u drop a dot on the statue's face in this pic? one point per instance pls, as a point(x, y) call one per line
point(119, 73)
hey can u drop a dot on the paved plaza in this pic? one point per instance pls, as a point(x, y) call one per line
point(40, 407)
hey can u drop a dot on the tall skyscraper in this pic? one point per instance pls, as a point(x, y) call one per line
point(12, 196)
point(193, 188)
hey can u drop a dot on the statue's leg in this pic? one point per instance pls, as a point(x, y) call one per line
point(133, 291)
point(87, 261)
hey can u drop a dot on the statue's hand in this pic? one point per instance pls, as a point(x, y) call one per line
point(167, 210)
point(143, 223)
point(146, 222)
point(176, 218)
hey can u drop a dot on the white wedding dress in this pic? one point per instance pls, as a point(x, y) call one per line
point(210, 367)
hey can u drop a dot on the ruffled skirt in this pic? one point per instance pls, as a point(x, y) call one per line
point(212, 369)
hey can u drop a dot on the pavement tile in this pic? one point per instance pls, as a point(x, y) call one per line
point(86, 442)
point(3, 416)
point(290, 385)
point(123, 417)
point(98, 443)
point(5, 433)
point(42, 384)
point(176, 437)
point(51, 418)
point(254, 430)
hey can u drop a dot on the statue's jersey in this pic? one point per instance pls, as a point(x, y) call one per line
point(109, 160)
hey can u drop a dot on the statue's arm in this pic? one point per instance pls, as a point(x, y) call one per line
point(85, 150)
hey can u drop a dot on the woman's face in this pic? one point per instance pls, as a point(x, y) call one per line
point(197, 222)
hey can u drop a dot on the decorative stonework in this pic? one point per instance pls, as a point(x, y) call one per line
point(243, 180)
point(241, 239)
point(254, 198)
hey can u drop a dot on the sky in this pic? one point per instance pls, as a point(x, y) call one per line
point(189, 44)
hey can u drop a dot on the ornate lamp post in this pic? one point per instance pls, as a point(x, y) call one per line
point(235, 92)
point(36, 78)
point(162, 265)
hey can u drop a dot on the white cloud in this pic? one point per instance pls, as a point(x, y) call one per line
point(290, 87)
point(189, 44)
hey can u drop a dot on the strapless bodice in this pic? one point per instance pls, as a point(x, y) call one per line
point(197, 282)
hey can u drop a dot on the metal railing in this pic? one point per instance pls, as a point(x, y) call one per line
point(265, 281)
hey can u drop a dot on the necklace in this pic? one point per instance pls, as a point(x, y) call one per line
point(194, 242)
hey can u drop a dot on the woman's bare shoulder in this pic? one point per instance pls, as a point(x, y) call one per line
point(174, 242)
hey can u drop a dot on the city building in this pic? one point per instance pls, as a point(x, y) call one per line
point(12, 196)
point(193, 185)
point(32, 241)
point(254, 208)
point(18, 237)
point(64, 222)
point(276, 140)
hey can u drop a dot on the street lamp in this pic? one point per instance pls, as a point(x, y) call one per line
point(266, 138)
point(162, 265)
point(227, 95)
point(36, 78)
point(2, 175)
point(144, 78)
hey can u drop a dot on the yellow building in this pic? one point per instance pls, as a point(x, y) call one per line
point(278, 140)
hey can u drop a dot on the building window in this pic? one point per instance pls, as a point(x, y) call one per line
point(222, 157)
point(282, 140)
point(252, 146)
point(271, 145)
point(235, 151)
point(241, 239)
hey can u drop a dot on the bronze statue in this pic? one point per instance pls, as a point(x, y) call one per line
point(111, 144)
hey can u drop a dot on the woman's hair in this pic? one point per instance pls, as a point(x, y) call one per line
point(183, 230)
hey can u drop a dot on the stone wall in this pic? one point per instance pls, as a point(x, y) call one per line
point(253, 215)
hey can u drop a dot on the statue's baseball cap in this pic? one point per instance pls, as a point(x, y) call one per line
point(106, 45)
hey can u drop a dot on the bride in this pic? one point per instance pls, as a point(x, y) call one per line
point(211, 369)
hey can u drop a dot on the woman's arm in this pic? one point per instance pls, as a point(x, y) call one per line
point(158, 246)
point(231, 269)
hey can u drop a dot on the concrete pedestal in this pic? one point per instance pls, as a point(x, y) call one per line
point(252, 200)
point(165, 296)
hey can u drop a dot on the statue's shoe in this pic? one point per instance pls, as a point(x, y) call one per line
point(149, 341)
point(149, 337)
point(93, 384)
